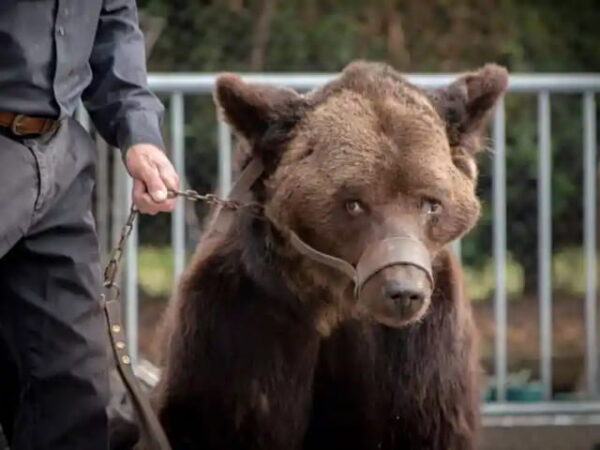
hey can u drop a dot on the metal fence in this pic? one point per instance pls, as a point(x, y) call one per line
point(178, 86)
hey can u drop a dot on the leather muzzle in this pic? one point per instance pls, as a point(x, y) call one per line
point(385, 253)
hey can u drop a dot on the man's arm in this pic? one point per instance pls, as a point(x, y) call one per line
point(122, 107)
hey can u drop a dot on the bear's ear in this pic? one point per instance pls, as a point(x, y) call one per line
point(466, 103)
point(251, 109)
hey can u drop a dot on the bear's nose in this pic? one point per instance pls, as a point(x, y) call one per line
point(402, 292)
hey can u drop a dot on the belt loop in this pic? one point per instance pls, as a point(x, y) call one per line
point(47, 126)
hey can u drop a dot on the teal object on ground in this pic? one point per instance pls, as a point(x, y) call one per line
point(522, 392)
point(488, 394)
point(529, 392)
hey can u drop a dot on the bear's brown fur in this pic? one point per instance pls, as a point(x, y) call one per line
point(265, 347)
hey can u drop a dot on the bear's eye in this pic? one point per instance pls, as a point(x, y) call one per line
point(354, 207)
point(431, 206)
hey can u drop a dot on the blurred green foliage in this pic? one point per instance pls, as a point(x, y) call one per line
point(414, 36)
point(156, 270)
point(156, 274)
point(480, 279)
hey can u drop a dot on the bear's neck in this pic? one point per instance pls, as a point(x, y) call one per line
point(276, 267)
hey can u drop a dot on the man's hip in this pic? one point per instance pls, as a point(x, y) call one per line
point(37, 172)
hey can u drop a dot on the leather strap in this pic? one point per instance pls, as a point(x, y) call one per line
point(22, 125)
point(391, 252)
point(240, 192)
point(152, 435)
point(332, 261)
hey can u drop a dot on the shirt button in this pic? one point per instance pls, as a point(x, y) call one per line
point(60, 31)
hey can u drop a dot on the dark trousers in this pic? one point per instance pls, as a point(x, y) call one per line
point(53, 360)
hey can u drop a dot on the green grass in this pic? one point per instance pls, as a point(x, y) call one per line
point(155, 266)
point(568, 274)
point(481, 282)
point(568, 271)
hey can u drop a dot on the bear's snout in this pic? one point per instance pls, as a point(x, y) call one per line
point(405, 294)
point(396, 296)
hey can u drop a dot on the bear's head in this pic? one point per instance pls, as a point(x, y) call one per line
point(366, 158)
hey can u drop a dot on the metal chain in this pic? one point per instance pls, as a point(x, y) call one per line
point(210, 199)
point(112, 268)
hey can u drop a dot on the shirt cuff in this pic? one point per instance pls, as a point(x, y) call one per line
point(140, 127)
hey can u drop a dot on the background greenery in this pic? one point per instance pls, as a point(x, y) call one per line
point(414, 36)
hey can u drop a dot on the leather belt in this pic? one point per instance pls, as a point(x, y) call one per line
point(23, 125)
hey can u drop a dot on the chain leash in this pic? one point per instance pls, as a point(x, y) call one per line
point(152, 435)
point(112, 268)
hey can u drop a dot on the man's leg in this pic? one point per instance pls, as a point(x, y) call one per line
point(18, 193)
point(9, 387)
point(50, 285)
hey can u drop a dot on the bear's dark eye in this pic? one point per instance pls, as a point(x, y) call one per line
point(354, 207)
point(431, 206)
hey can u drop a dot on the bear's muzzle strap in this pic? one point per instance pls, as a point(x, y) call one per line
point(378, 256)
point(391, 252)
point(336, 263)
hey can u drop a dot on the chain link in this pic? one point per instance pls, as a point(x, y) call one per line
point(112, 268)
point(210, 199)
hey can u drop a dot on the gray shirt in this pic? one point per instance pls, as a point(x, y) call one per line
point(54, 52)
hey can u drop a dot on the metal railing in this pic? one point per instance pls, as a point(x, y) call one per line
point(180, 85)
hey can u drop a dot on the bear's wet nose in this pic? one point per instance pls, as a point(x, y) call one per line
point(402, 292)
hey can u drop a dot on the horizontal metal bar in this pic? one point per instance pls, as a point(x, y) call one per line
point(204, 82)
point(541, 420)
point(516, 408)
point(490, 409)
point(494, 414)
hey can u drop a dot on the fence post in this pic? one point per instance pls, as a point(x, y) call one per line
point(178, 215)
point(589, 241)
point(545, 241)
point(224, 158)
point(499, 248)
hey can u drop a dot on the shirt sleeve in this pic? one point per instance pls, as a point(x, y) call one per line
point(118, 100)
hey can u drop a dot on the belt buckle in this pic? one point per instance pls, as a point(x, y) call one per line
point(16, 123)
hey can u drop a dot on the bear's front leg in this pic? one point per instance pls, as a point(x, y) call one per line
point(240, 367)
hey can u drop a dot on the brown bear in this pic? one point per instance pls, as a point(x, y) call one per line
point(270, 348)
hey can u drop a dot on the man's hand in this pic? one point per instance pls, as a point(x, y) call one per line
point(153, 175)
